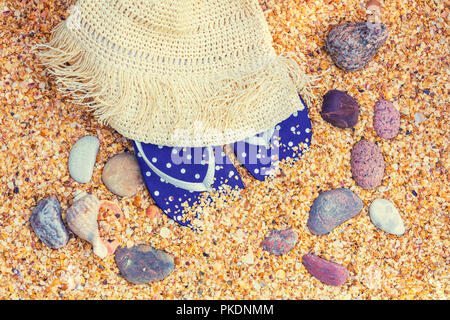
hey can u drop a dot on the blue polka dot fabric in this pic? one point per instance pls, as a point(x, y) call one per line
point(177, 177)
point(288, 140)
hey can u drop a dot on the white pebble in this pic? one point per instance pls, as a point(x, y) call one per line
point(248, 258)
point(82, 158)
point(164, 232)
point(385, 216)
point(418, 117)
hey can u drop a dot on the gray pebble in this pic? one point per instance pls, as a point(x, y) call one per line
point(143, 264)
point(332, 208)
point(47, 223)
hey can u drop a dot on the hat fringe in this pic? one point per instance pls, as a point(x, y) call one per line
point(137, 103)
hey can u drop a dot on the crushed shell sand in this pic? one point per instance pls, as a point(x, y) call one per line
point(38, 126)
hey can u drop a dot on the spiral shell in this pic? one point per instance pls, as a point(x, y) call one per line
point(82, 220)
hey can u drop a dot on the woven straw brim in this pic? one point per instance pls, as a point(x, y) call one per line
point(159, 96)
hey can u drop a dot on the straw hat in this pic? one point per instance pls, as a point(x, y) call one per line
point(175, 72)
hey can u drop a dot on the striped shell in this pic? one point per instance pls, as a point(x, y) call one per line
point(82, 220)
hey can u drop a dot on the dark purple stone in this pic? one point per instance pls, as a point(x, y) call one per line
point(47, 223)
point(326, 271)
point(143, 264)
point(367, 164)
point(279, 242)
point(386, 120)
point(332, 208)
point(351, 45)
point(340, 109)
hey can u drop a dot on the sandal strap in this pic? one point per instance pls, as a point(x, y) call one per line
point(263, 140)
point(205, 185)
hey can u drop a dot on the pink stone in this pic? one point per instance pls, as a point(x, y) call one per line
point(386, 120)
point(122, 175)
point(328, 272)
point(367, 164)
point(279, 242)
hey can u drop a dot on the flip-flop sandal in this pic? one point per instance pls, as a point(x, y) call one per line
point(262, 153)
point(178, 177)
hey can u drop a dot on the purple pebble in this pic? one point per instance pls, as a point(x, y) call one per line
point(279, 242)
point(351, 45)
point(386, 120)
point(367, 164)
point(340, 109)
point(328, 272)
point(332, 208)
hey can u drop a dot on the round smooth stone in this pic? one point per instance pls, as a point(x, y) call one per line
point(352, 45)
point(47, 223)
point(82, 158)
point(384, 215)
point(122, 175)
point(144, 264)
point(386, 120)
point(279, 242)
point(332, 208)
point(367, 164)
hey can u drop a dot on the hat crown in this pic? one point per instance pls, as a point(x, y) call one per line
point(174, 15)
point(182, 15)
point(175, 72)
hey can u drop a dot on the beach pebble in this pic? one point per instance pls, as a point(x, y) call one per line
point(249, 258)
point(279, 242)
point(165, 232)
point(418, 118)
point(386, 120)
point(82, 158)
point(47, 223)
point(367, 164)
point(340, 109)
point(122, 175)
point(384, 215)
point(144, 264)
point(332, 208)
point(328, 272)
point(352, 45)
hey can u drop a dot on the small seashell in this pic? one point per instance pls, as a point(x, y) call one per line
point(82, 220)
point(78, 194)
point(328, 272)
point(340, 109)
point(153, 211)
point(373, 6)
